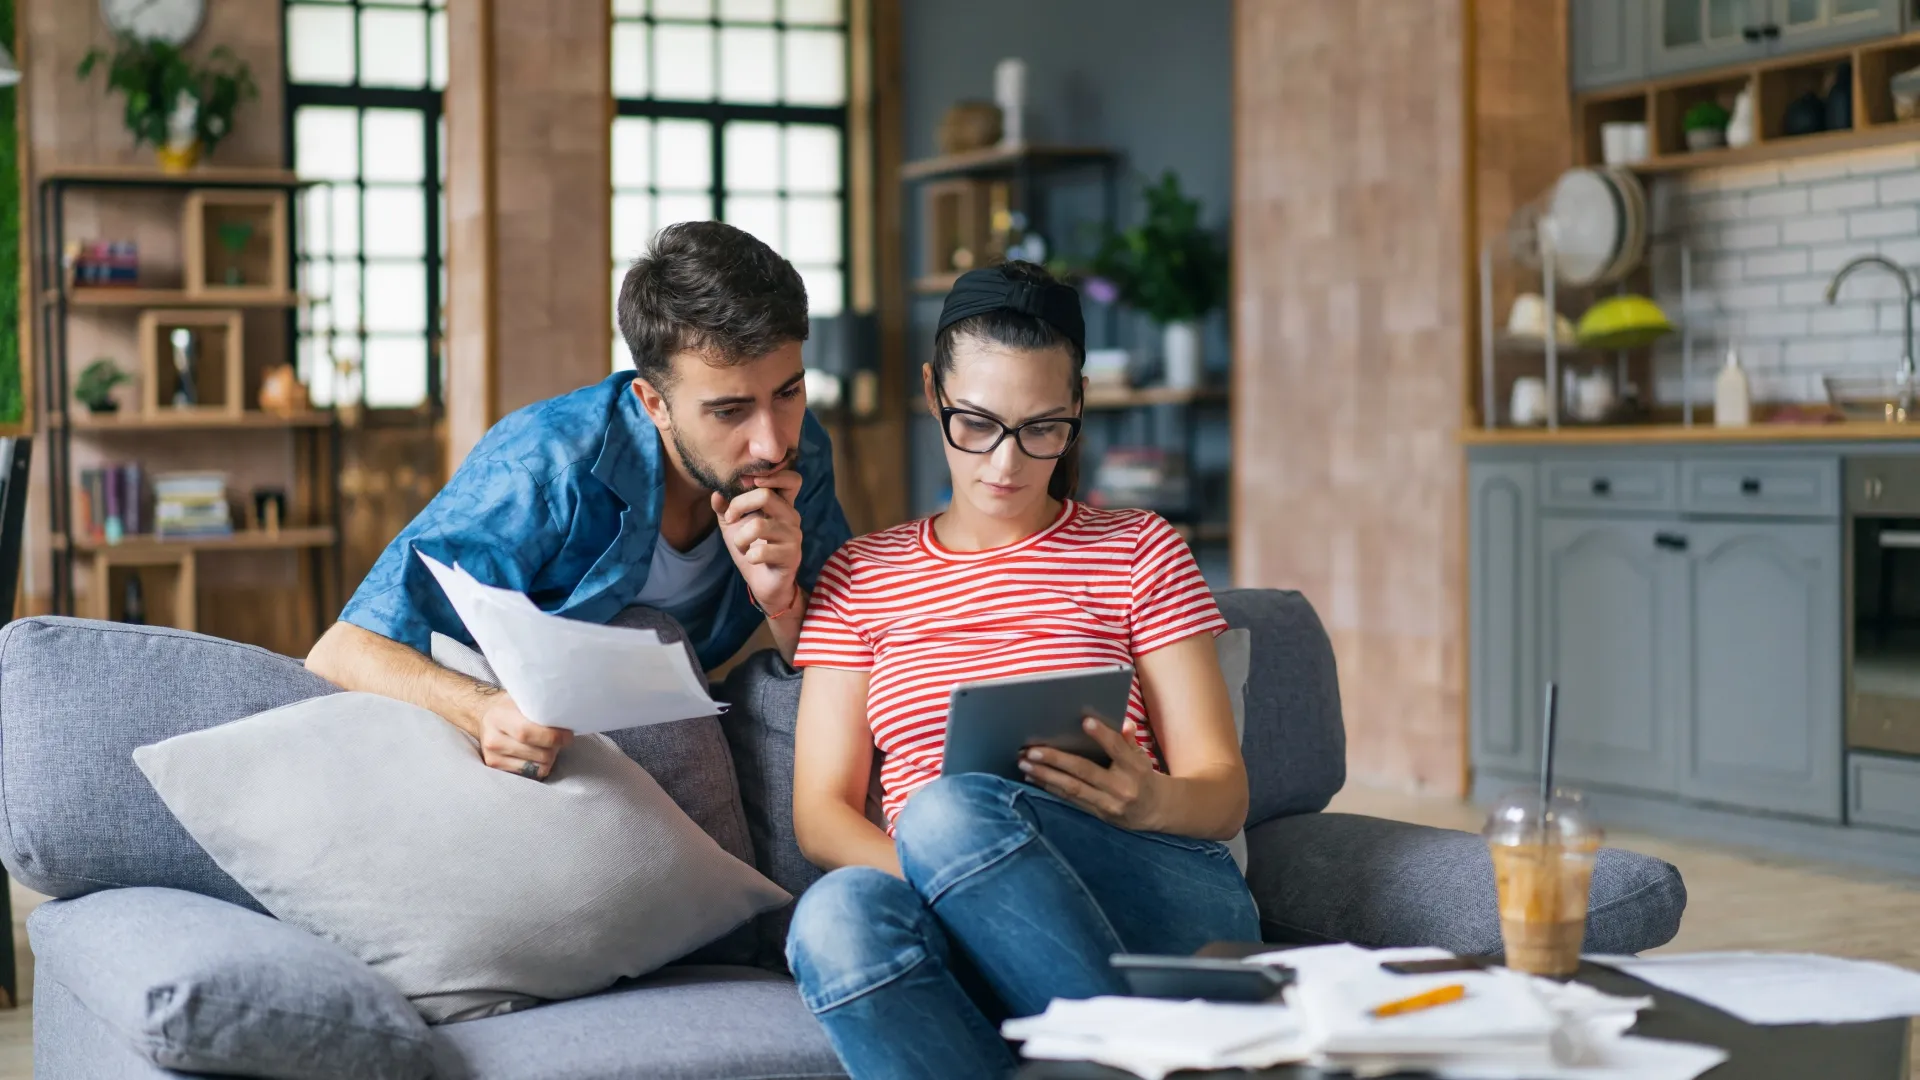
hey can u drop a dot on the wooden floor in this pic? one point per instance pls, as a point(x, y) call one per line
point(1737, 899)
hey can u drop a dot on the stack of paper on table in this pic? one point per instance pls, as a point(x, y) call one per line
point(1151, 1038)
point(566, 673)
point(1782, 988)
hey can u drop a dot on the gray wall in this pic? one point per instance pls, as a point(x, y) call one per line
point(1152, 78)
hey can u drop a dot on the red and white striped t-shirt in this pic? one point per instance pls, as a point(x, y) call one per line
point(1096, 587)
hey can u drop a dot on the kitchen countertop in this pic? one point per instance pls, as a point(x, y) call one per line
point(1633, 434)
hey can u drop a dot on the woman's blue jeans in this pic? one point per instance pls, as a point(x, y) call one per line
point(1012, 898)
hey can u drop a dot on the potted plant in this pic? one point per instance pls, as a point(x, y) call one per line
point(181, 108)
point(94, 388)
point(1170, 268)
point(1705, 124)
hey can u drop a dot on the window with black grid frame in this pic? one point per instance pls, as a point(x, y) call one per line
point(364, 84)
point(735, 110)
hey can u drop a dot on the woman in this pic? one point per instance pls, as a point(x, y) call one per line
point(983, 897)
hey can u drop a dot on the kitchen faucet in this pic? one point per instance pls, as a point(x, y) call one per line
point(1906, 313)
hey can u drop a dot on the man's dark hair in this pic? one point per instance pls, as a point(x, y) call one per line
point(707, 287)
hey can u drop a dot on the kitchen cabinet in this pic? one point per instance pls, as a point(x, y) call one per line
point(1820, 24)
point(1612, 615)
point(1606, 42)
point(1762, 647)
point(1505, 724)
point(1689, 35)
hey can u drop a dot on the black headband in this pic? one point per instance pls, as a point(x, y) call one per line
point(989, 289)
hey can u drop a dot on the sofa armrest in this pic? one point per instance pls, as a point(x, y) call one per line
point(200, 985)
point(1343, 877)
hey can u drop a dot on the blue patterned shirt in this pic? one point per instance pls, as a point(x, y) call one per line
point(561, 500)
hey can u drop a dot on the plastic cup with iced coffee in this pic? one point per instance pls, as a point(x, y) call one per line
point(1543, 855)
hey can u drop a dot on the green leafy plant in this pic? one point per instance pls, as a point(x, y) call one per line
point(1167, 266)
point(1705, 116)
point(94, 387)
point(160, 82)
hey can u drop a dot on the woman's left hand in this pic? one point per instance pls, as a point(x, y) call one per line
point(1125, 793)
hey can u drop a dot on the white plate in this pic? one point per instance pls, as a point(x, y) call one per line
point(1634, 200)
point(1589, 219)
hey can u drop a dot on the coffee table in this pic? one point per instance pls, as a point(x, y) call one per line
point(1876, 1051)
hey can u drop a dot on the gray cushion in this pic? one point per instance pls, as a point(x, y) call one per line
point(1295, 743)
point(682, 1024)
point(68, 1040)
point(76, 697)
point(1342, 877)
point(196, 984)
point(1234, 649)
point(372, 822)
point(763, 695)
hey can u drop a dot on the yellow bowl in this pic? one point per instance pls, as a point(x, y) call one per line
point(1623, 322)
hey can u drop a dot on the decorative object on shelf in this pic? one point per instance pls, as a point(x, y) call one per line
point(180, 108)
point(233, 240)
point(1705, 124)
point(94, 387)
point(1805, 115)
point(102, 263)
point(191, 504)
point(181, 340)
point(173, 22)
point(234, 243)
point(1740, 123)
point(1839, 104)
point(1172, 270)
point(191, 359)
point(1627, 321)
point(282, 393)
point(1905, 89)
point(1528, 404)
point(133, 602)
point(969, 125)
point(269, 509)
point(1010, 94)
point(1623, 142)
point(1732, 401)
point(1108, 369)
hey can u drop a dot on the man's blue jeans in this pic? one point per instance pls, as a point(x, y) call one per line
point(1012, 898)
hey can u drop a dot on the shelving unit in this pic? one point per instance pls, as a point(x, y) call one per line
point(171, 564)
point(1024, 167)
point(1662, 103)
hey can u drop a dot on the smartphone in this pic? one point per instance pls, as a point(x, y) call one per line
point(1188, 977)
point(1434, 967)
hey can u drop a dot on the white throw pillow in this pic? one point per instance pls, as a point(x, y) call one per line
point(1235, 651)
point(372, 823)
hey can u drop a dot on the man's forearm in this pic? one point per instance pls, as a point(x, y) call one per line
point(355, 658)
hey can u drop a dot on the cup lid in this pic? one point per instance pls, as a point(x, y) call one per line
point(1520, 818)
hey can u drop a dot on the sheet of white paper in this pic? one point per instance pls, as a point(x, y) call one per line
point(1782, 988)
point(570, 674)
point(1629, 1058)
point(1151, 1037)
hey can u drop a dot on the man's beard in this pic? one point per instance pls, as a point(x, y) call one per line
point(708, 477)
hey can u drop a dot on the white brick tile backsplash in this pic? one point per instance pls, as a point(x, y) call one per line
point(1890, 221)
point(1777, 202)
point(1821, 229)
point(1841, 319)
point(1844, 194)
point(1900, 188)
point(1785, 262)
point(1750, 236)
point(1765, 243)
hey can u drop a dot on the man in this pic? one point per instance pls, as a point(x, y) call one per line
point(697, 484)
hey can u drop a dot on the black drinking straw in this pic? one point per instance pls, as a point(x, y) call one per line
point(1546, 746)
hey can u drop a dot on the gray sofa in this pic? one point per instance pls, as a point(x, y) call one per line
point(133, 926)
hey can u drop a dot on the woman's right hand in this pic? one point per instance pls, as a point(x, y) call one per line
point(512, 743)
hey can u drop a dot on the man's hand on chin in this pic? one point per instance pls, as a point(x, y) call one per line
point(762, 533)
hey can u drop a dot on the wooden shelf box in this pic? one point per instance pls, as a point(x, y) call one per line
point(218, 361)
point(957, 226)
point(258, 268)
point(167, 584)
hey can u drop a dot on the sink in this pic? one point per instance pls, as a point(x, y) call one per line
point(1878, 398)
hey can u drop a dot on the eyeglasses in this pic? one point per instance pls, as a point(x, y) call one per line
point(977, 433)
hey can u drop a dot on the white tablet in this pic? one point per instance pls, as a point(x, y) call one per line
point(989, 723)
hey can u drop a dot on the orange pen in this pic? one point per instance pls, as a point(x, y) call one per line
point(1439, 996)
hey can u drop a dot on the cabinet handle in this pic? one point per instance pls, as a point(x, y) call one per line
point(1667, 541)
point(1750, 485)
point(1771, 31)
point(1753, 34)
point(1601, 486)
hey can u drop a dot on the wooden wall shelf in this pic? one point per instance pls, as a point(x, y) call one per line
point(146, 175)
point(140, 297)
point(288, 539)
point(1004, 159)
point(252, 419)
point(1661, 104)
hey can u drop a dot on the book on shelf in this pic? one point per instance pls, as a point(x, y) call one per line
point(103, 263)
point(110, 503)
point(191, 504)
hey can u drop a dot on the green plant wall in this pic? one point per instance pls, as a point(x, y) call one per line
point(12, 400)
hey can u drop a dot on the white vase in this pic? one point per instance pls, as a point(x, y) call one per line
point(1180, 349)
